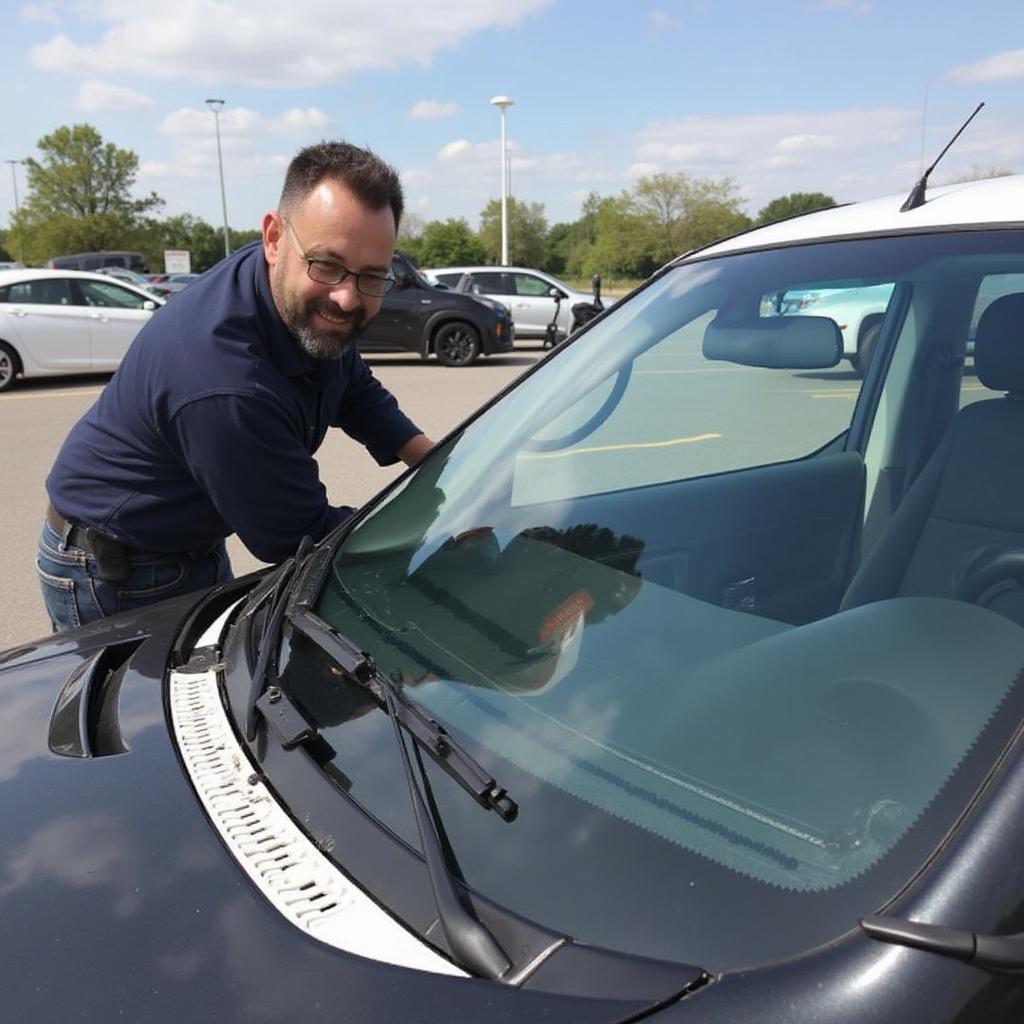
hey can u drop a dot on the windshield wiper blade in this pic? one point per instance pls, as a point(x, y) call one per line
point(267, 646)
point(429, 734)
point(469, 941)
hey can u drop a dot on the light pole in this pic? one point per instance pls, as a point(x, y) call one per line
point(503, 103)
point(215, 106)
point(17, 208)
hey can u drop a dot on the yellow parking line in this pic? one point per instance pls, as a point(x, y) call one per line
point(50, 394)
point(622, 447)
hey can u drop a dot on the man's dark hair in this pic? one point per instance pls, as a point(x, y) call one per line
point(369, 178)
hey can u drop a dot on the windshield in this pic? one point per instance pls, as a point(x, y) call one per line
point(629, 590)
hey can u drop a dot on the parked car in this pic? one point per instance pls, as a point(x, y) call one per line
point(526, 292)
point(175, 283)
point(58, 322)
point(417, 317)
point(142, 281)
point(96, 260)
point(661, 690)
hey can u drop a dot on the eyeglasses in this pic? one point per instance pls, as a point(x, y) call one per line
point(329, 272)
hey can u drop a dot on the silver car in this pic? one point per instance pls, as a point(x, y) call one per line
point(529, 294)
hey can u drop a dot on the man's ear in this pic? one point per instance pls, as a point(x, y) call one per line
point(273, 233)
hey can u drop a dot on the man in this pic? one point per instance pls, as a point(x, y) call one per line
point(210, 424)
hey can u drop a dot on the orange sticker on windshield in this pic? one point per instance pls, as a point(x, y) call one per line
point(567, 613)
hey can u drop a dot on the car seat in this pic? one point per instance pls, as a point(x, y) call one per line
point(959, 531)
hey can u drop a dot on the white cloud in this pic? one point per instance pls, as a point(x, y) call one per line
point(427, 109)
point(661, 21)
point(1000, 67)
point(855, 6)
point(243, 123)
point(44, 12)
point(851, 154)
point(101, 97)
point(263, 43)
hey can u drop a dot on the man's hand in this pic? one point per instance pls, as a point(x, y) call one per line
point(414, 449)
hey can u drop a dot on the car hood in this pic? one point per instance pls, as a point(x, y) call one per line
point(119, 900)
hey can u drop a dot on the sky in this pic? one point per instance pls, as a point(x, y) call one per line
point(847, 97)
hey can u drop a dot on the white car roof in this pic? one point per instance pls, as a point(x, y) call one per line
point(990, 201)
point(35, 273)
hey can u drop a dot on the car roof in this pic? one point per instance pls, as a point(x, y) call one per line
point(989, 201)
point(35, 273)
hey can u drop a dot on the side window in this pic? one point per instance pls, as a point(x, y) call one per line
point(51, 292)
point(102, 293)
point(992, 288)
point(92, 262)
point(527, 284)
point(449, 279)
point(489, 283)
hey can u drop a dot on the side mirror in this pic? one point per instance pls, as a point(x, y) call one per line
point(149, 304)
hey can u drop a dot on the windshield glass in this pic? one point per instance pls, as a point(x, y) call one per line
point(640, 590)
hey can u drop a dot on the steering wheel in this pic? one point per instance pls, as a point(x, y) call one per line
point(988, 573)
point(588, 426)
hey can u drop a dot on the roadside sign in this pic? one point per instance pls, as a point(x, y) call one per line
point(177, 261)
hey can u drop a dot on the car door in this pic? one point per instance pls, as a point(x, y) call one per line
point(492, 284)
point(52, 332)
point(532, 305)
point(403, 311)
point(115, 314)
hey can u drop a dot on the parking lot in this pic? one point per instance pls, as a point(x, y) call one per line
point(36, 416)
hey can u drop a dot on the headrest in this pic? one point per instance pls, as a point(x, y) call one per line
point(999, 344)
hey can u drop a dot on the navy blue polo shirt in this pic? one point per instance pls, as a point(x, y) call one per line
point(210, 424)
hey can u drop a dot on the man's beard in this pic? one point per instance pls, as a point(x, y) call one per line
point(320, 343)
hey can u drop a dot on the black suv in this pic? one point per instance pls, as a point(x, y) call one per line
point(417, 317)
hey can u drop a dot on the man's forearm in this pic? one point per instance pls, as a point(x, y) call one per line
point(414, 449)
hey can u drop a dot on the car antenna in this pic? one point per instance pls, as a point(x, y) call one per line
point(916, 197)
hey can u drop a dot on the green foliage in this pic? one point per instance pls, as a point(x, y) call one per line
point(449, 243)
point(793, 205)
point(527, 233)
point(80, 196)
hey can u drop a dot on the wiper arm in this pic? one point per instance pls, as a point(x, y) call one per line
point(265, 669)
point(470, 942)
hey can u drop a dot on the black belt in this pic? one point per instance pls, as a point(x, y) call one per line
point(113, 559)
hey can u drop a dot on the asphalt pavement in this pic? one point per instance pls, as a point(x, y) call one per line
point(36, 415)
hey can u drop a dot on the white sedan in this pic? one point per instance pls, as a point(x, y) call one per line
point(64, 321)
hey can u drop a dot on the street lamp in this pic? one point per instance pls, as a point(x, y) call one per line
point(502, 103)
point(215, 106)
point(17, 209)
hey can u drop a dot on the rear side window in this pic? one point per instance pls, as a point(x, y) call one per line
point(449, 279)
point(490, 283)
point(48, 292)
point(102, 293)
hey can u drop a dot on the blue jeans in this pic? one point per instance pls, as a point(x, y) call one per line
point(74, 594)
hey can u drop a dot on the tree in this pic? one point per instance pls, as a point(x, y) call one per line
point(449, 243)
point(80, 195)
point(793, 205)
point(682, 213)
point(527, 232)
point(410, 234)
